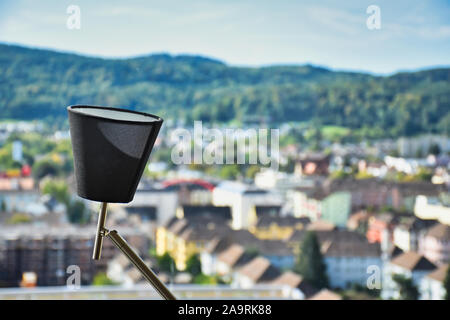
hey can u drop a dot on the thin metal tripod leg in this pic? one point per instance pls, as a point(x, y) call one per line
point(100, 232)
point(120, 243)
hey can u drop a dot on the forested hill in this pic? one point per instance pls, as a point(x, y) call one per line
point(40, 83)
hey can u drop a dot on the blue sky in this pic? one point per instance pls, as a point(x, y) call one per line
point(413, 35)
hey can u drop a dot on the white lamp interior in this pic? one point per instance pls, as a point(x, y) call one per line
point(114, 114)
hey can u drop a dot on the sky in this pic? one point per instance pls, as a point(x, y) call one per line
point(412, 35)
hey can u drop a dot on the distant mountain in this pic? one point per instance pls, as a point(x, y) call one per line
point(40, 84)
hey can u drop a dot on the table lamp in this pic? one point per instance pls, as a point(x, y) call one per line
point(111, 147)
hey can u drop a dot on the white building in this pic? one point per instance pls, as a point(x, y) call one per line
point(350, 259)
point(432, 285)
point(242, 198)
point(166, 202)
point(258, 271)
point(430, 208)
point(407, 233)
point(410, 265)
point(408, 147)
point(271, 179)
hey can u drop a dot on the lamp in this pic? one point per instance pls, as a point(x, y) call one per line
point(111, 147)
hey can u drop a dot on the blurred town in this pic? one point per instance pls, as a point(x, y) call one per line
point(340, 219)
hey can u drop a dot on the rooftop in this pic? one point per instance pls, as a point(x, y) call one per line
point(440, 273)
point(439, 231)
point(260, 269)
point(413, 261)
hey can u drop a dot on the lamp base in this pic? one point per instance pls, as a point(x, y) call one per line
point(123, 246)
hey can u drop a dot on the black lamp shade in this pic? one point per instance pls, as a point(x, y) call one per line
point(110, 149)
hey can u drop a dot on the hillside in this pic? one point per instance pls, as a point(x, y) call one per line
point(40, 84)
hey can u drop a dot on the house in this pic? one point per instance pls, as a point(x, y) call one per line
point(318, 204)
point(209, 255)
point(16, 194)
point(297, 287)
point(381, 227)
point(408, 230)
point(242, 198)
point(410, 265)
point(204, 212)
point(232, 257)
point(276, 251)
point(145, 213)
point(325, 294)
point(359, 221)
point(277, 227)
point(258, 270)
point(432, 285)
point(269, 179)
point(347, 255)
point(184, 237)
point(379, 193)
point(148, 196)
point(312, 164)
point(435, 244)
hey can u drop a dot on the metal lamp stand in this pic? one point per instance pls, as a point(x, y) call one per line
point(123, 246)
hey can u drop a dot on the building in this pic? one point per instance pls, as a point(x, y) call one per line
point(242, 198)
point(359, 221)
point(410, 147)
point(347, 255)
point(432, 209)
point(276, 227)
point(184, 237)
point(258, 270)
point(435, 244)
point(411, 265)
point(408, 230)
point(380, 227)
point(231, 258)
point(276, 251)
point(209, 256)
point(165, 201)
point(312, 164)
point(47, 251)
point(379, 193)
point(297, 287)
point(270, 179)
point(432, 285)
point(317, 204)
point(16, 194)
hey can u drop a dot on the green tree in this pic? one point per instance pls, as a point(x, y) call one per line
point(101, 279)
point(45, 167)
point(166, 263)
point(57, 189)
point(204, 279)
point(434, 149)
point(447, 284)
point(194, 265)
point(406, 287)
point(77, 212)
point(310, 262)
point(19, 218)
